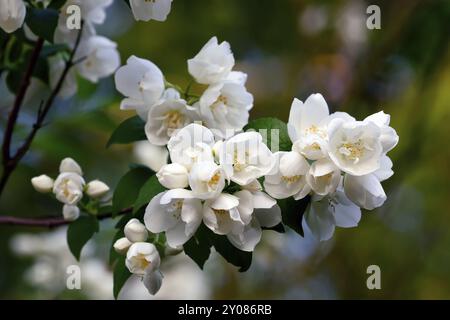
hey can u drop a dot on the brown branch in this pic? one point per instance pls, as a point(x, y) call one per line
point(11, 162)
point(14, 113)
point(51, 222)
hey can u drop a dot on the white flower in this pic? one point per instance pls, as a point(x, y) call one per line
point(154, 157)
point(177, 213)
point(307, 126)
point(354, 146)
point(191, 144)
point(213, 63)
point(245, 158)
point(173, 176)
point(322, 216)
point(224, 107)
point(70, 213)
point(165, 118)
point(142, 257)
point(12, 15)
point(266, 214)
point(42, 183)
point(68, 188)
point(142, 83)
point(135, 231)
point(323, 177)
point(289, 177)
point(388, 136)
point(100, 58)
point(206, 180)
point(228, 212)
point(365, 191)
point(70, 165)
point(122, 245)
point(153, 281)
point(56, 68)
point(146, 10)
point(96, 189)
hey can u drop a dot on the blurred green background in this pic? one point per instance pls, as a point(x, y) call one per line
point(289, 48)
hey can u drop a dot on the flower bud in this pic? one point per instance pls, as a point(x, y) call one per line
point(121, 245)
point(70, 165)
point(42, 183)
point(173, 176)
point(70, 213)
point(135, 231)
point(96, 189)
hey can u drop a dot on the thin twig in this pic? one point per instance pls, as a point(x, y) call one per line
point(14, 113)
point(11, 162)
point(51, 222)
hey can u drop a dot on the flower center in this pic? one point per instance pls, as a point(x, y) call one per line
point(220, 100)
point(220, 212)
point(175, 208)
point(142, 262)
point(238, 163)
point(353, 150)
point(291, 179)
point(173, 120)
point(214, 181)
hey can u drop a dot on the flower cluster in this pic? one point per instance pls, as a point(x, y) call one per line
point(69, 187)
point(223, 107)
point(336, 159)
point(215, 182)
point(142, 258)
point(96, 56)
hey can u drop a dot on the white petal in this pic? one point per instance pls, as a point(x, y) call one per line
point(249, 238)
point(314, 110)
point(320, 220)
point(365, 191)
point(153, 281)
point(269, 217)
point(224, 201)
point(346, 213)
point(156, 217)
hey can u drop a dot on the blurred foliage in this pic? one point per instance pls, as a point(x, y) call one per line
point(289, 48)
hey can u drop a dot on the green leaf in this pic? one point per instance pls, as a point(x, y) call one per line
point(120, 275)
point(42, 22)
point(198, 248)
point(130, 130)
point(266, 126)
point(292, 212)
point(233, 255)
point(57, 4)
point(80, 232)
point(129, 187)
point(150, 189)
point(52, 49)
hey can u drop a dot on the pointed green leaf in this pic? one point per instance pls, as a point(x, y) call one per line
point(266, 127)
point(120, 275)
point(150, 189)
point(130, 130)
point(292, 212)
point(80, 232)
point(128, 188)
